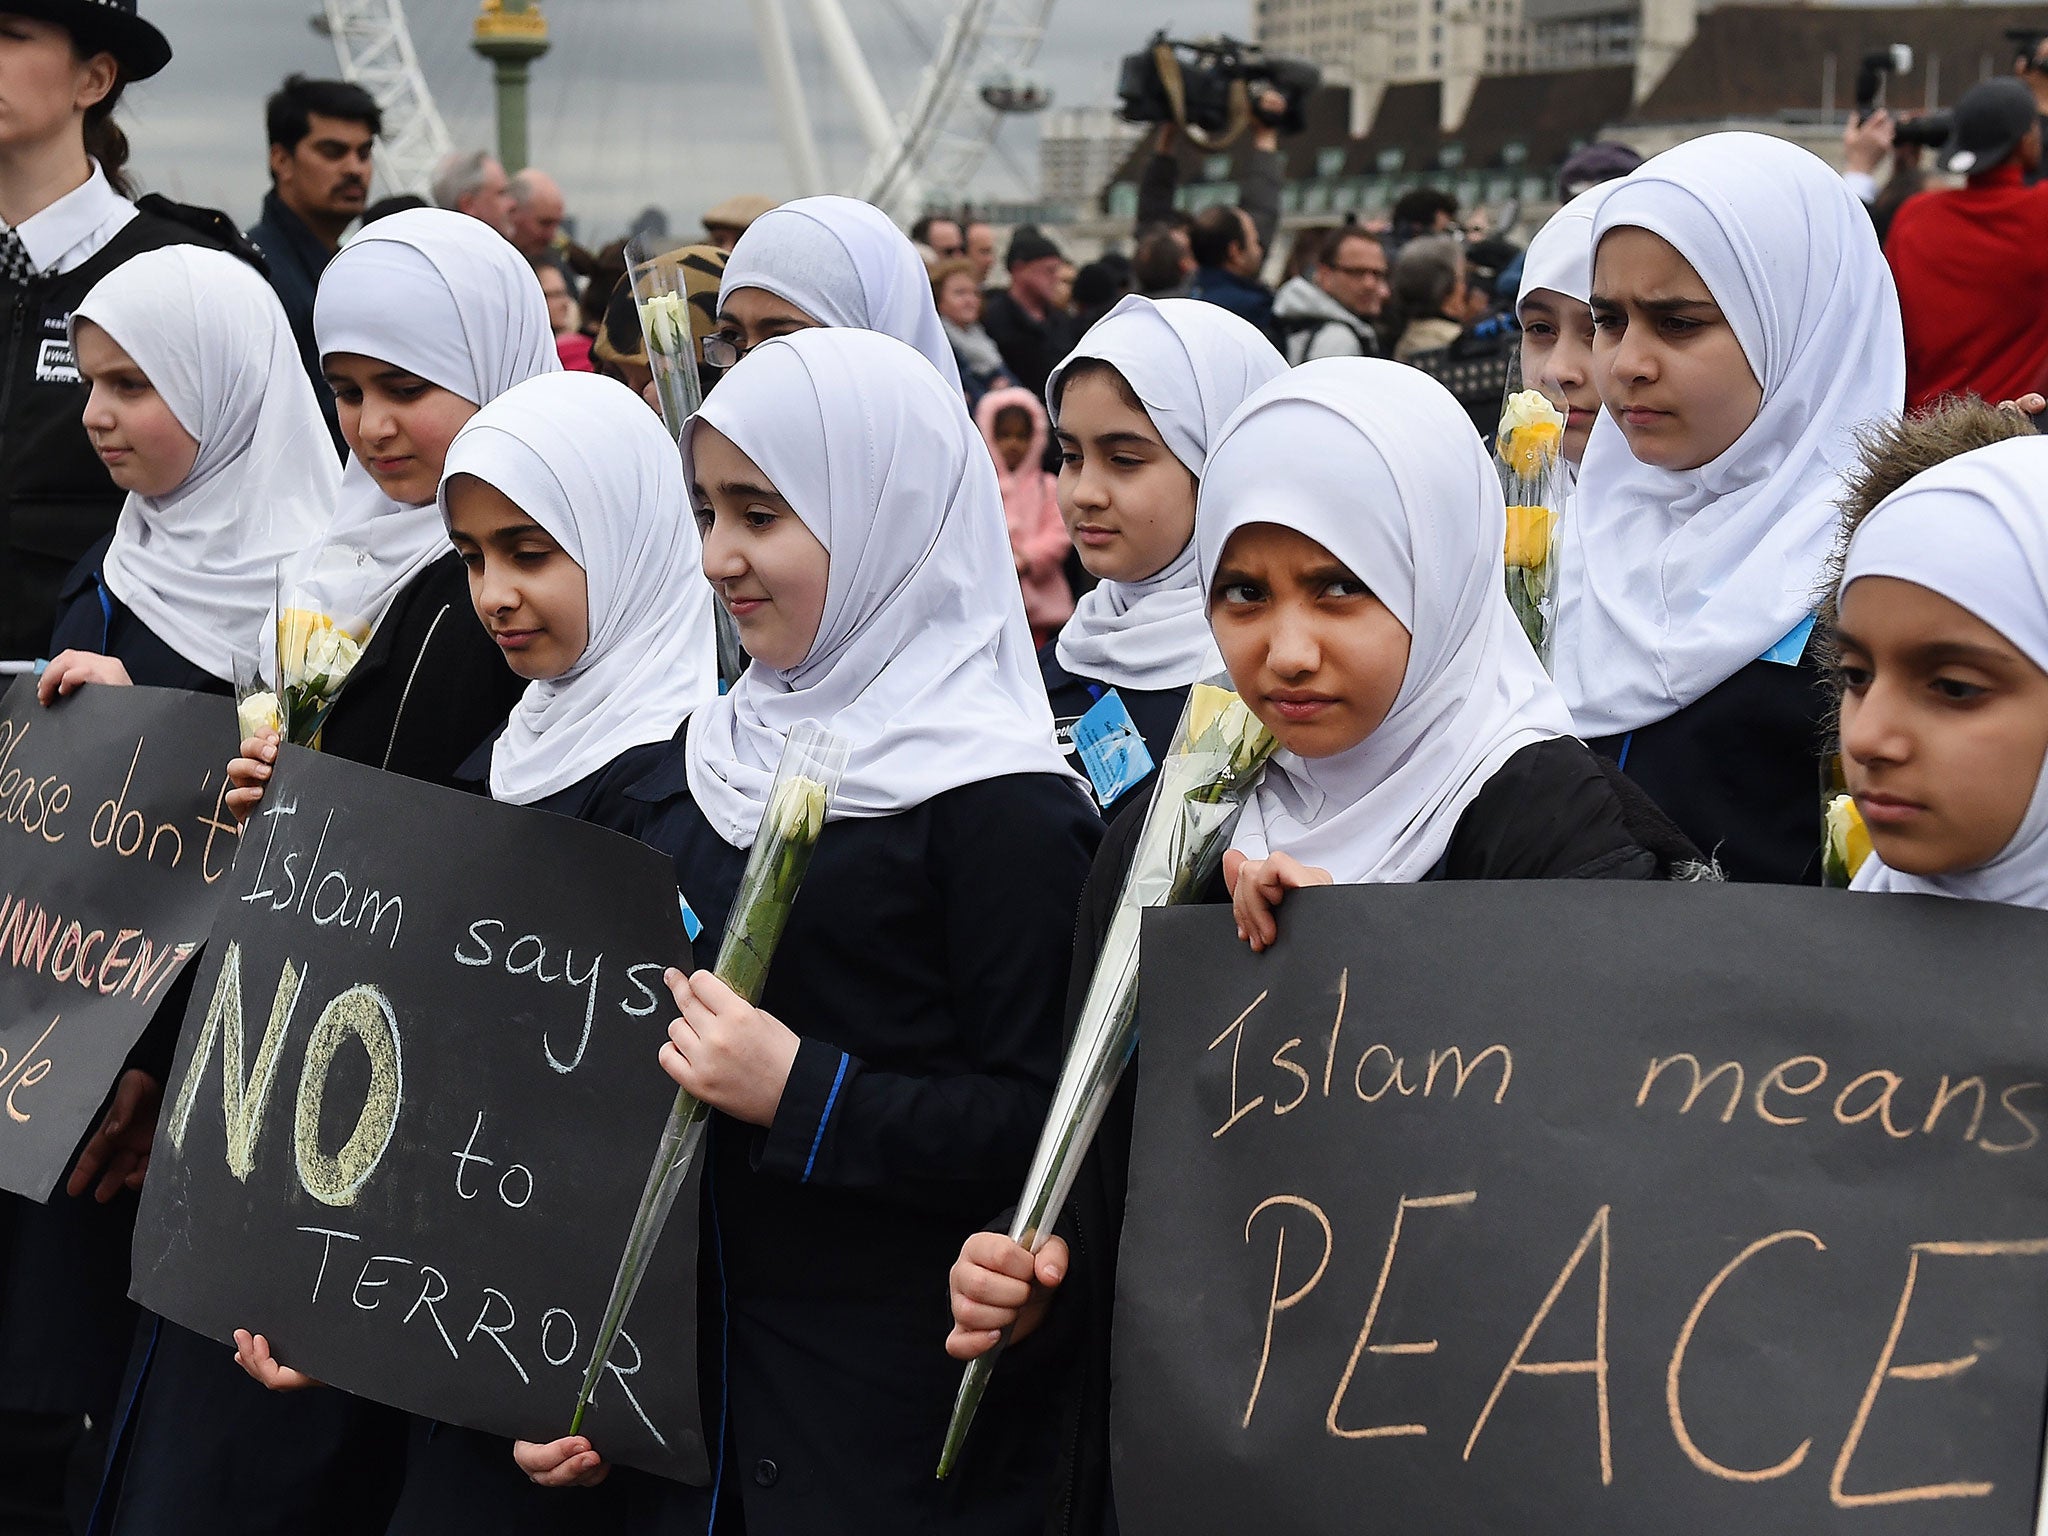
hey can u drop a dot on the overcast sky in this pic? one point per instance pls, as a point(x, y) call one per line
point(640, 101)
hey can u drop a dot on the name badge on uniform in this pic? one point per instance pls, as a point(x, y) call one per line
point(54, 362)
point(1111, 748)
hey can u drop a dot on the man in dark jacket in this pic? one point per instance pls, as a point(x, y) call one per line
point(321, 133)
point(1025, 320)
point(1228, 256)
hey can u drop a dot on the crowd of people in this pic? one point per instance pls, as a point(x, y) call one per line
point(1805, 535)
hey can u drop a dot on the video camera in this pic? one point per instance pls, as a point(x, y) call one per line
point(1930, 129)
point(1208, 75)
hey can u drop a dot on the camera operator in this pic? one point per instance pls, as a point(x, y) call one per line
point(1865, 145)
point(1972, 263)
point(1258, 188)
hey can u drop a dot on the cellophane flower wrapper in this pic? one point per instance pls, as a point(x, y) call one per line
point(663, 303)
point(320, 636)
point(813, 759)
point(1847, 844)
point(1203, 786)
point(257, 707)
point(1528, 454)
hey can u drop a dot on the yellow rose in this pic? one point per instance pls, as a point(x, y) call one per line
point(1529, 530)
point(295, 629)
point(1531, 450)
point(1848, 839)
point(1206, 703)
point(1529, 408)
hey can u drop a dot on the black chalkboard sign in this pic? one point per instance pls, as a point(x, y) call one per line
point(114, 848)
point(1578, 1207)
point(414, 1104)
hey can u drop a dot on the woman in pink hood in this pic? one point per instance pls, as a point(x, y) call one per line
point(1013, 424)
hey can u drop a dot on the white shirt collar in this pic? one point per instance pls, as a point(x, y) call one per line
point(76, 226)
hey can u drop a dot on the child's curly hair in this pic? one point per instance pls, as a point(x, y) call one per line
point(1892, 454)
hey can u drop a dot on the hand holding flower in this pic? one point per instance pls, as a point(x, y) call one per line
point(252, 1354)
point(1258, 886)
point(250, 774)
point(566, 1463)
point(726, 1052)
point(998, 1284)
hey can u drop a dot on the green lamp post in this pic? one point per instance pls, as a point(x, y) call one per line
point(511, 34)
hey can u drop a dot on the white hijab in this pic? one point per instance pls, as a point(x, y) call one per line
point(842, 262)
point(923, 659)
point(1378, 464)
point(583, 457)
point(1975, 530)
point(198, 565)
point(1190, 364)
point(1560, 256)
point(446, 297)
point(1675, 580)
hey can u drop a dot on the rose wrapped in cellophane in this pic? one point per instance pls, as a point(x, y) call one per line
point(1848, 843)
point(792, 820)
point(661, 295)
point(1202, 787)
point(315, 654)
point(1527, 451)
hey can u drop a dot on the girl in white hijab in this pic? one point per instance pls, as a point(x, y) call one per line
point(1748, 330)
point(193, 568)
point(835, 262)
point(886, 1096)
point(423, 319)
point(1942, 653)
point(1351, 539)
point(1554, 309)
point(1137, 406)
point(582, 533)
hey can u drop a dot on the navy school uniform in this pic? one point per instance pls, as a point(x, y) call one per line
point(200, 1448)
point(65, 1319)
point(923, 966)
point(1551, 812)
point(464, 1479)
point(1155, 711)
point(1739, 770)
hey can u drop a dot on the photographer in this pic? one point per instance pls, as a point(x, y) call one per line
point(1971, 262)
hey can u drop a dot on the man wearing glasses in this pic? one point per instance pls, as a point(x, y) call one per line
point(1330, 310)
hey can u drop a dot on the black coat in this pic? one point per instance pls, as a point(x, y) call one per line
point(430, 686)
point(1155, 711)
point(56, 501)
point(65, 1318)
point(1740, 770)
point(1550, 813)
point(1031, 348)
point(463, 1479)
point(200, 1449)
point(923, 967)
point(91, 618)
point(297, 257)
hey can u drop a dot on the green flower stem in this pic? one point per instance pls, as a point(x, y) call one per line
point(775, 870)
point(1202, 789)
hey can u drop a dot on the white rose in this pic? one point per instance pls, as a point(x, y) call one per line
point(258, 713)
point(667, 324)
point(330, 655)
point(798, 813)
point(1529, 408)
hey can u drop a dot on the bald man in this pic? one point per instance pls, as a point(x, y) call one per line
point(537, 210)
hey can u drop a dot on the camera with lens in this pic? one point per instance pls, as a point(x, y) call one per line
point(1930, 130)
point(1205, 77)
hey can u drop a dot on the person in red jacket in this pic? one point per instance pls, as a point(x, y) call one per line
point(1968, 261)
